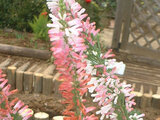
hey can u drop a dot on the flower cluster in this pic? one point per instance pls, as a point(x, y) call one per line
point(78, 58)
point(68, 48)
point(11, 110)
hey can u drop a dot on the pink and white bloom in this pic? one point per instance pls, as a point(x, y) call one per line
point(68, 41)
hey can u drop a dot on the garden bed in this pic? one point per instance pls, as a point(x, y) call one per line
point(22, 39)
point(52, 104)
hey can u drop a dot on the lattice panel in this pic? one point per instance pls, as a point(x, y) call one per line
point(145, 26)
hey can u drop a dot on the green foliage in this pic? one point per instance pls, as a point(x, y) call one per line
point(16, 13)
point(92, 9)
point(39, 27)
point(16, 116)
point(2, 105)
point(99, 9)
point(19, 36)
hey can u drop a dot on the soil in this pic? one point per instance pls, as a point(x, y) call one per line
point(50, 104)
point(22, 39)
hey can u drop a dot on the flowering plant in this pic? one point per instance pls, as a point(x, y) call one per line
point(88, 1)
point(11, 110)
point(77, 53)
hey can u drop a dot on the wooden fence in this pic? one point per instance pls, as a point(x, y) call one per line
point(31, 78)
point(137, 27)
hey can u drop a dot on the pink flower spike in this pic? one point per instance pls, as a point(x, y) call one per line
point(3, 83)
point(25, 112)
point(92, 117)
point(107, 55)
point(6, 89)
point(23, 109)
point(98, 66)
point(89, 109)
point(2, 79)
point(18, 105)
point(13, 102)
point(27, 117)
point(13, 92)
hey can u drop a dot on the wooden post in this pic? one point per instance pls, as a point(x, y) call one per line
point(123, 17)
point(11, 75)
point(138, 96)
point(4, 65)
point(41, 116)
point(56, 83)
point(58, 118)
point(38, 81)
point(28, 82)
point(118, 23)
point(49, 71)
point(28, 79)
point(146, 99)
point(156, 99)
point(48, 80)
point(19, 76)
point(136, 86)
point(47, 84)
point(127, 21)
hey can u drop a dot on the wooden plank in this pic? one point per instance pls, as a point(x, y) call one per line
point(142, 67)
point(141, 74)
point(142, 79)
point(142, 51)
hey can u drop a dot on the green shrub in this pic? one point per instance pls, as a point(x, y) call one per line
point(16, 13)
point(99, 9)
point(92, 9)
point(39, 27)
